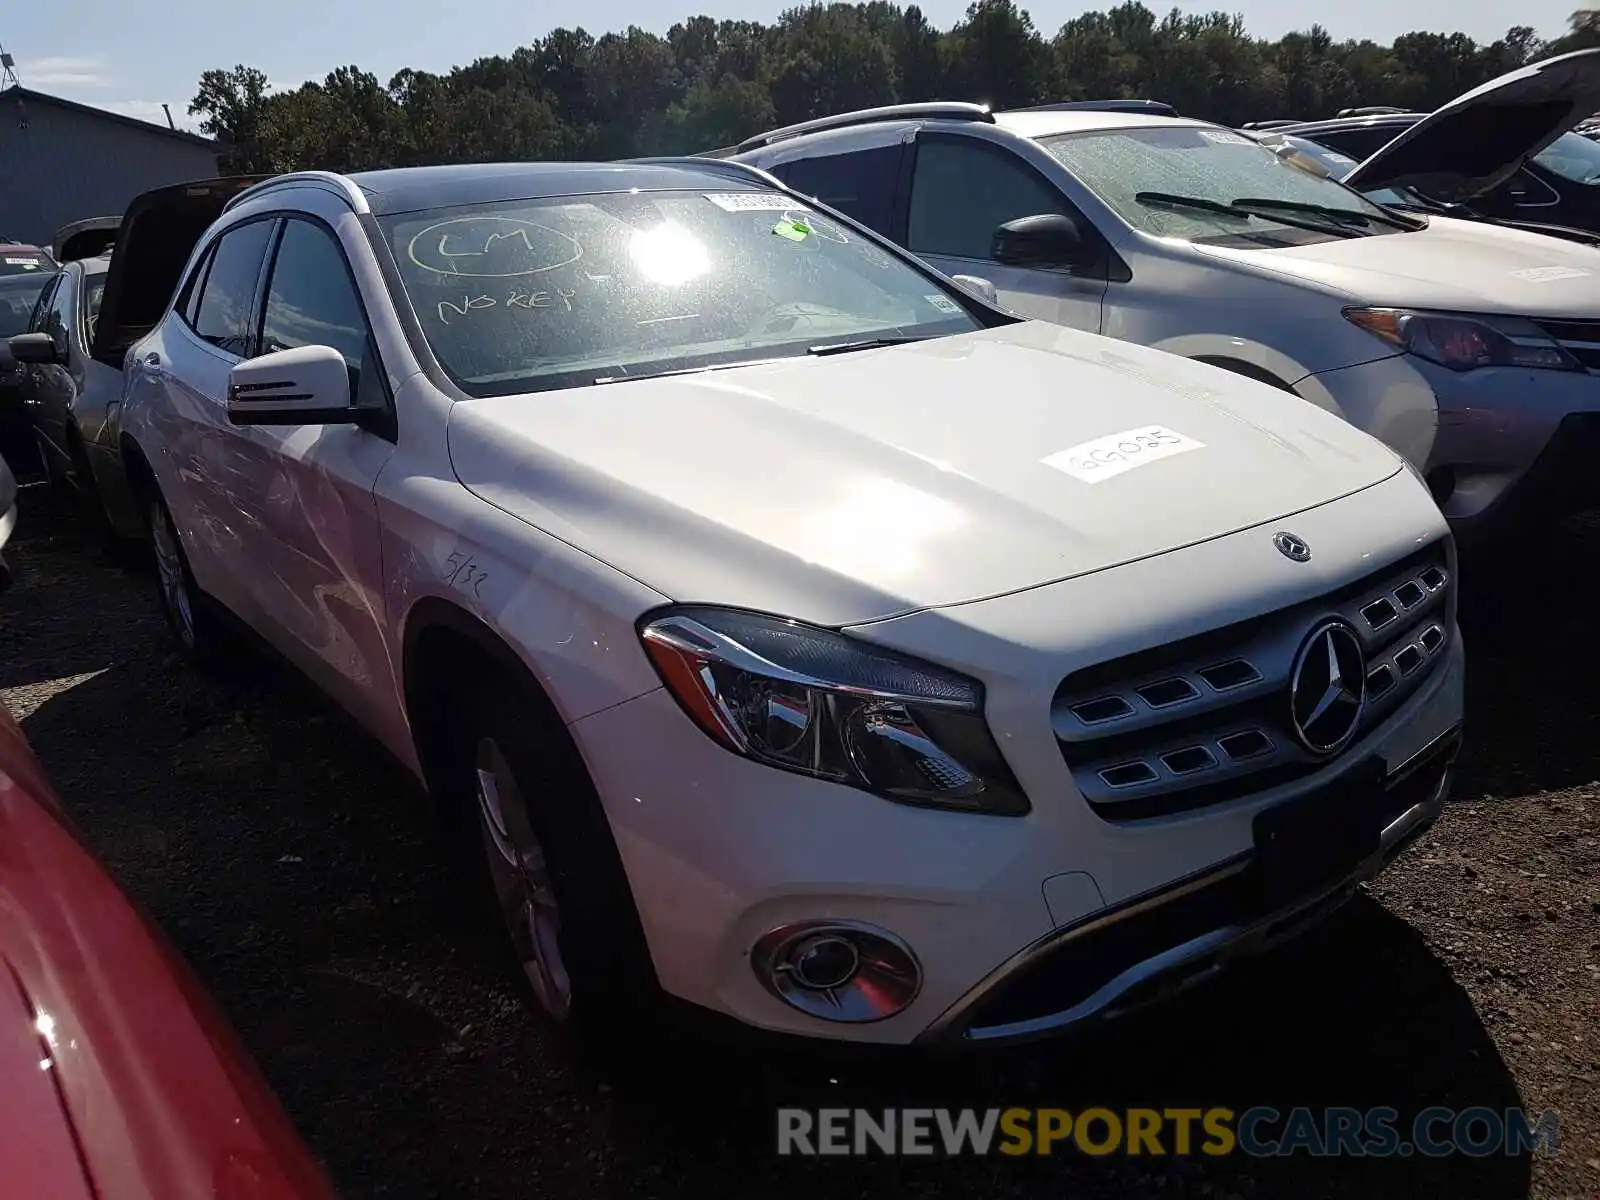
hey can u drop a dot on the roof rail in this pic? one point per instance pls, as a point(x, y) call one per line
point(714, 166)
point(935, 110)
point(1263, 126)
point(1375, 110)
point(327, 180)
point(1155, 108)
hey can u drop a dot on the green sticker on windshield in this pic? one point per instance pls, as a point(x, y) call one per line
point(795, 231)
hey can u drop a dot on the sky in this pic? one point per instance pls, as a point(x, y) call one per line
point(132, 57)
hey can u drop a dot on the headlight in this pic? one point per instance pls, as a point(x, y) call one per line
point(818, 703)
point(1465, 343)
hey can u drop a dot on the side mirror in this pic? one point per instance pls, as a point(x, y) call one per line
point(978, 286)
point(1049, 240)
point(37, 348)
point(309, 385)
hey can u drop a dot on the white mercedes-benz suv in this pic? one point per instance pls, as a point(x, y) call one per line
point(793, 633)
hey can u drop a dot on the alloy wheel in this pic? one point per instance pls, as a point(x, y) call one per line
point(520, 874)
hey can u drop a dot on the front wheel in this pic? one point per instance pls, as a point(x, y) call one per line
point(519, 874)
point(549, 870)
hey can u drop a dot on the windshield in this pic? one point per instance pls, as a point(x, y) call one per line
point(24, 260)
point(1214, 165)
point(572, 290)
point(18, 294)
point(1573, 157)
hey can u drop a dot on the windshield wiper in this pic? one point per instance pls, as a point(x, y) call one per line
point(865, 344)
point(727, 366)
point(1316, 223)
point(1352, 215)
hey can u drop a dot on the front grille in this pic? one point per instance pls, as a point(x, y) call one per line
point(1581, 339)
point(1207, 720)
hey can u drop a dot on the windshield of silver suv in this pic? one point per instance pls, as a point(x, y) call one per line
point(1211, 184)
point(600, 288)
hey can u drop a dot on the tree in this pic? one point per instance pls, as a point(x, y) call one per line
point(709, 83)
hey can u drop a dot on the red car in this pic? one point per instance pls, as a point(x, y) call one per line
point(118, 1078)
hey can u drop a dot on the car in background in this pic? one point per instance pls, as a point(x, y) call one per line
point(118, 1078)
point(71, 395)
point(1320, 160)
point(1506, 151)
point(24, 270)
point(782, 628)
point(1465, 346)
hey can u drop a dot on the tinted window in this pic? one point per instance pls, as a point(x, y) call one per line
point(310, 300)
point(572, 290)
point(860, 185)
point(59, 319)
point(963, 190)
point(193, 286)
point(223, 315)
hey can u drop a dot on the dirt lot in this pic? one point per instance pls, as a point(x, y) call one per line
point(292, 863)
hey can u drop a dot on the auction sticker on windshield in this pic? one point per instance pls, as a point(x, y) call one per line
point(754, 202)
point(1109, 456)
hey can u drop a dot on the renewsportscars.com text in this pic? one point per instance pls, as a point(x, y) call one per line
point(1159, 1132)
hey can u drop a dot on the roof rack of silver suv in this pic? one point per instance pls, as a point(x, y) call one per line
point(1373, 110)
point(1154, 108)
point(936, 110)
point(327, 180)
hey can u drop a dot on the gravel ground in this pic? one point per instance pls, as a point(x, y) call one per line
point(292, 863)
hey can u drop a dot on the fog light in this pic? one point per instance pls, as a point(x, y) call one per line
point(838, 970)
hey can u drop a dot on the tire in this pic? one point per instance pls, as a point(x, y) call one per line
point(188, 610)
point(548, 876)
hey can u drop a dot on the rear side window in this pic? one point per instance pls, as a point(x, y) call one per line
point(58, 321)
point(964, 189)
point(310, 299)
point(860, 185)
point(222, 315)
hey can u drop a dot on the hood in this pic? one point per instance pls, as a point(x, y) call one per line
point(1466, 266)
point(154, 239)
point(1478, 141)
point(863, 485)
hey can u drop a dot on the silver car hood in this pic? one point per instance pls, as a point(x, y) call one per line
point(1478, 141)
point(1464, 266)
point(862, 485)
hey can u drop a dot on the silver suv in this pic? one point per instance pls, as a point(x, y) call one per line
point(1467, 348)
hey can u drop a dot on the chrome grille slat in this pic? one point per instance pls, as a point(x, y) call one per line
point(1219, 727)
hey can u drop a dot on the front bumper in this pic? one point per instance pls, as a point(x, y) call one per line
point(1155, 946)
point(1503, 448)
point(719, 850)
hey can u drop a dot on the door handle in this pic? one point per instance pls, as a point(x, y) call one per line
point(150, 364)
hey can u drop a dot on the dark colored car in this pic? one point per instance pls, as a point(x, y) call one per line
point(1504, 152)
point(71, 389)
point(71, 398)
point(24, 270)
